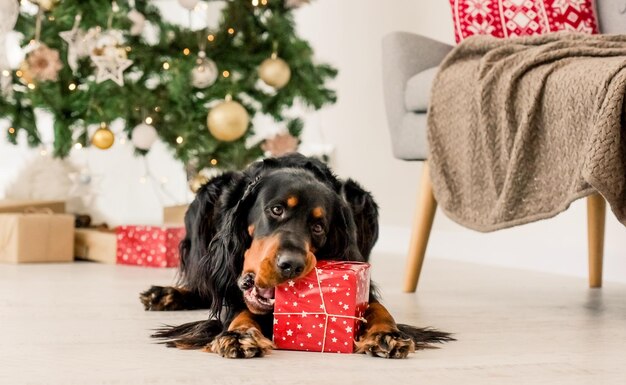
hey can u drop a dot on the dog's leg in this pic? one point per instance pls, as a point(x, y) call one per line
point(381, 336)
point(243, 339)
point(171, 298)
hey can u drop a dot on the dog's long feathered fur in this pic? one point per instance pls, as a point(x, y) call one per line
point(217, 237)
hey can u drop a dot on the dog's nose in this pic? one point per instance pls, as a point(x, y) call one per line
point(290, 265)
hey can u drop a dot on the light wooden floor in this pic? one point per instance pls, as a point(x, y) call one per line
point(82, 324)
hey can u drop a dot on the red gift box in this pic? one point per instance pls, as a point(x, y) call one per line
point(322, 311)
point(155, 246)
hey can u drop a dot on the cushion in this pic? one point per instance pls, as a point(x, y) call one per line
point(417, 92)
point(510, 18)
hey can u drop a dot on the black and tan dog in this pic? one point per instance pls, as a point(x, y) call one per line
point(250, 231)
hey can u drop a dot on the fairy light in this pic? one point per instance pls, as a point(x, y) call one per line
point(164, 180)
point(143, 180)
point(231, 31)
point(31, 86)
point(128, 48)
point(78, 146)
point(149, 120)
point(123, 141)
point(255, 3)
point(6, 73)
point(186, 51)
point(43, 152)
point(166, 66)
point(264, 2)
point(179, 140)
point(210, 37)
point(157, 109)
point(19, 73)
point(225, 74)
point(72, 86)
point(214, 162)
point(11, 130)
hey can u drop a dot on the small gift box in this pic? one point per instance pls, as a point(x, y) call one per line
point(155, 246)
point(97, 245)
point(322, 312)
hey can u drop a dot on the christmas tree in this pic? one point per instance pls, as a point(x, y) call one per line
point(90, 62)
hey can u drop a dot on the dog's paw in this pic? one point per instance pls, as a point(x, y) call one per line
point(245, 343)
point(159, 298)
point(391, 344)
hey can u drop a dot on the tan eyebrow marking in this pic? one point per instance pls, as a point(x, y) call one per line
point(318, 212)
point(292, 201)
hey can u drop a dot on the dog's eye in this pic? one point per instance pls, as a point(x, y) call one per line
point(317, 229)
point(277, 210)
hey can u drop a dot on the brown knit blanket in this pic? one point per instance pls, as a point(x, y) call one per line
point(520, 128)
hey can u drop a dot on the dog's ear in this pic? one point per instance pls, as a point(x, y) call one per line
point(365, 214)
point(223, 261)
point(341, 241)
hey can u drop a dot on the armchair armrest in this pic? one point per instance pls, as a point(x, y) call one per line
point(404, 55)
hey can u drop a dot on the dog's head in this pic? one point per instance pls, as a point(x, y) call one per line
point(293, 217)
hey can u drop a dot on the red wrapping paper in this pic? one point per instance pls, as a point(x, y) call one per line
point(154, 246)
point(322, 312)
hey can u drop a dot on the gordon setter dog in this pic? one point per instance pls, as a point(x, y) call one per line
point(250, 231)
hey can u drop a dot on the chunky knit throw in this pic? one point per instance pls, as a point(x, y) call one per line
point(520, 128)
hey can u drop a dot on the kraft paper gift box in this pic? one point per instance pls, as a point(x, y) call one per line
point(36, 237)
point(96, 245)
point(174, 215)
point(322, 312)
point(20, 206)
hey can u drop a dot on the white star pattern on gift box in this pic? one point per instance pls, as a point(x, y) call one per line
point(348, 329)
point(309, 335)
point(291, 283)
point(289, 332)
point(334, 339)
point(311, 286)
point(345, 277)
point(111, 68)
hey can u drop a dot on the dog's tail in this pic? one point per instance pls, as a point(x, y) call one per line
point(192, 335)
point(424, 337)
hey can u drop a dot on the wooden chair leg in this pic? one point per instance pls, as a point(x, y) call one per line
point(596, 212)
point(424, 216)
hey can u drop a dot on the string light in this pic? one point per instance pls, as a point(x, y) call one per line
point(31, 86)
point(179, 140)
point(186, 51)
point(226, 74)
point(143, 180)
point(166, 66)
point(128, 48)
point(231, 30)
point(43, 152)
point(6, 73)
point(210, 38)
point(157, 109)
point(264, 2)
point(214, 162)
point(11, 130)
point(123, 141)
point(78, 146)
point(51, 18)
point(149, 120)
point(164, 180)
point(19, 73)
point(72, 86)
point(255, 3)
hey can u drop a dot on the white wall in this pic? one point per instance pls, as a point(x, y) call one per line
point(348, 34)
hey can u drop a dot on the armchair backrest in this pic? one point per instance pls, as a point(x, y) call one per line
point(612, 16)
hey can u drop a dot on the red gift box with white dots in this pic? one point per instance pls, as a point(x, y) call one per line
point(154, 246)
point(322, 312)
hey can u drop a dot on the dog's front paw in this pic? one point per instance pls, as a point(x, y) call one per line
point(244, 343)
point(389, 344)
point(159, 298)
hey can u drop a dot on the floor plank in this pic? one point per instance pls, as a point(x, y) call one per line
point(82, 324)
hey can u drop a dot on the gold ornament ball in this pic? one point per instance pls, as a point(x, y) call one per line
point(103, 138)
point(196, 182)
point(228, 121)
point(275, 72)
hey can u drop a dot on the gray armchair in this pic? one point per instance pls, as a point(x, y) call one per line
point(409, 67)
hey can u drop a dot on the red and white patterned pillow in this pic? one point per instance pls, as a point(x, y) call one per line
point(510, 18)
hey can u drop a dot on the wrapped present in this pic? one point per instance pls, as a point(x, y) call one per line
point(155, 246)
point(174, 215)
point(36, 237)
point(322, 312)
point(97, 245)
point(20, 206)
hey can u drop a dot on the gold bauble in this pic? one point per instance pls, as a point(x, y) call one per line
point(228, 121)
point(103, 138)
point(196, 182)
point(46, 5)
point(275, 72)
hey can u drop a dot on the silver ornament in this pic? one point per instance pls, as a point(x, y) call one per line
point(204, 74)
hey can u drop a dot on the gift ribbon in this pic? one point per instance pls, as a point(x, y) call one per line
point(323, 312)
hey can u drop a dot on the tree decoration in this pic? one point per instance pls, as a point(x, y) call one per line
point(138, 20)
point(296, 3)
point(204, 74)
point(46, 5)
point(280, 144)
point(228, 121)
point(44, 63)
point(9, 9)
point(197, 181)
point(164, 80)
point(188, 4)
point(275, 72)
point(143, 136)
point(103, 138)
